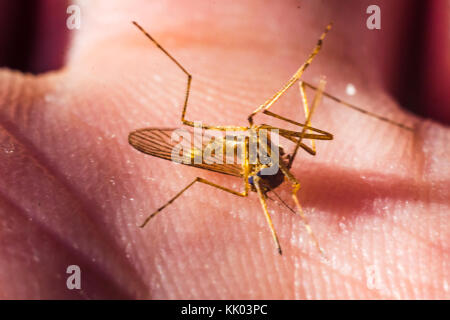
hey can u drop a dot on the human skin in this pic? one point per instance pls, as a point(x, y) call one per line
point(72, 190)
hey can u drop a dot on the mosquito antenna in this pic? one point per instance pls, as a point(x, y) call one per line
point(281, 200)
point(351, 106)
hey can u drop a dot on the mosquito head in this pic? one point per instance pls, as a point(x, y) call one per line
point(269, 178)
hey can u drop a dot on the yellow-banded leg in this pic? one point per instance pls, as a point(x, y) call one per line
point(308, 113)
point(198, 179)
point(262, 199)
point(266, 105)
point(188, 88)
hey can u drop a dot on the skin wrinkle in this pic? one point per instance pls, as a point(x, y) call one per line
point(81, 120)
point(234, 270)
point(413, 261)
point(440, 247)
point(254, 259)
point(81, 258)
point(42, 162)
point(383, 250)
point(319, 201)
point(32, 156)
point(167, 288)
point(280, 267)
point(178, 262)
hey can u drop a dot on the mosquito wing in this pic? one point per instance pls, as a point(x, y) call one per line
point(158, 142)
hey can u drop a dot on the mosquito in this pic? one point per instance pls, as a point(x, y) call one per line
point(158, 143)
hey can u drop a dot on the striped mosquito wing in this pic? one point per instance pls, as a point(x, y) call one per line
point(158, 142)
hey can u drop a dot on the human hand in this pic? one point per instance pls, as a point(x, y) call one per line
point(73, 191)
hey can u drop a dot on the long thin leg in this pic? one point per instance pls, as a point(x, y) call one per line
point(266, 105)
point(368, 113)
point(262, 199)
point(188, 88)
point(271, 101)
point(308, 149)
point(295, 188)
point(306, 127)
point(198, 179)
point(323, 135)
point(316, 101)
point(301, 86)
point(294, 135)
point(189, 76)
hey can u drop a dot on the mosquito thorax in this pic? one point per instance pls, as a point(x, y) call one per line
point(270, 178)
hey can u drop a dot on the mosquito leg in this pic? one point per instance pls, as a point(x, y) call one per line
point(308, 113)
point(368, 113)
point(294, 135)
point(198, 179)
point(188, 88)
point(301, 86)
point(293, 79)
point(306, 127)
point(189, 76)
point(295, 188)
point(262, 199)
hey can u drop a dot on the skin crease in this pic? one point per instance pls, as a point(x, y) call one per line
point(73, 191)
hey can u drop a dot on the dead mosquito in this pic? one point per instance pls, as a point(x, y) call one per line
point(157, 142)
